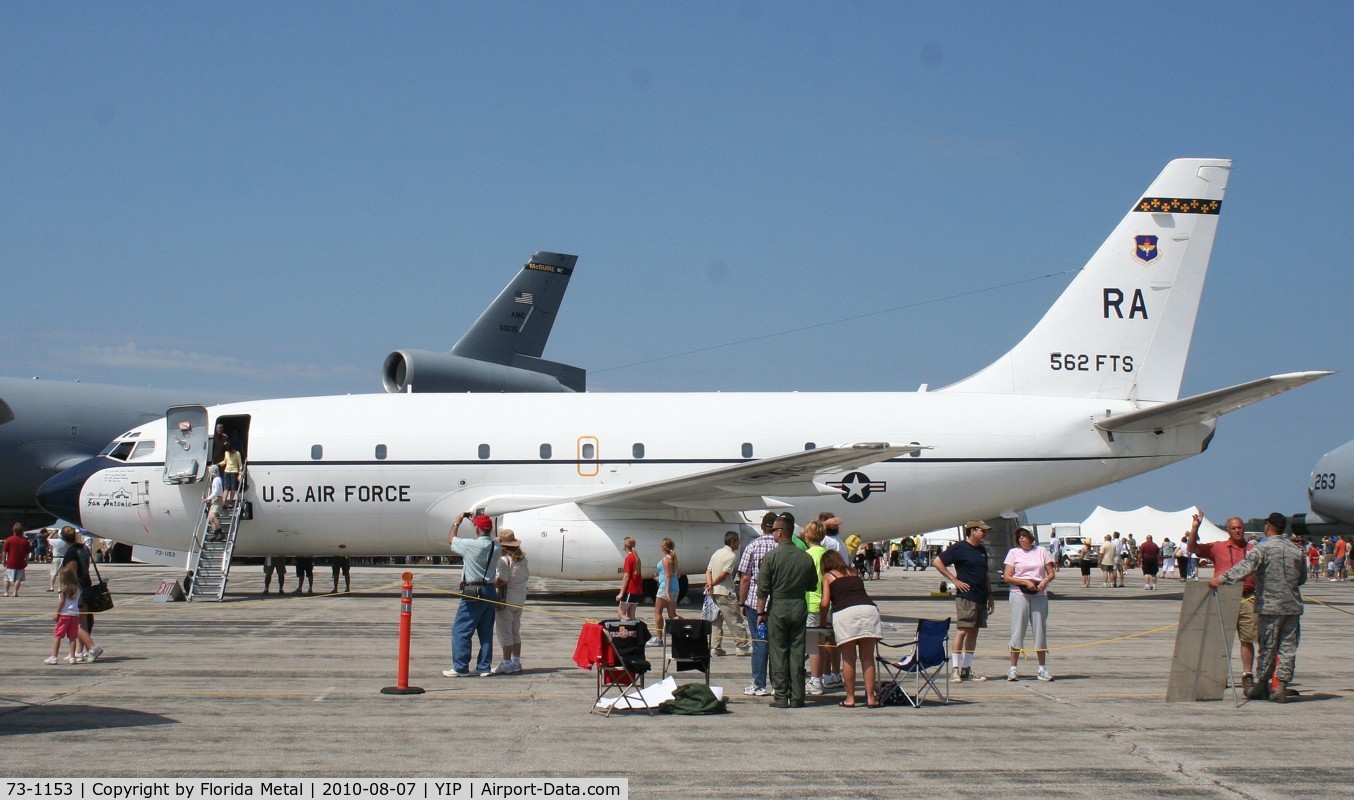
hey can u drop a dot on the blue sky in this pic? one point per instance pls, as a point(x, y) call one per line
point(268, 198)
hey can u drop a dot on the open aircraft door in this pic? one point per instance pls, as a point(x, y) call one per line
point(188, 443)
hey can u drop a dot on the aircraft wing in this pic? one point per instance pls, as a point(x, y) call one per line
point(739, 487)
point(1209, 405)
point(743, 486)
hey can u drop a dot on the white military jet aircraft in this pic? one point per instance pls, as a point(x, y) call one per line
point(1089, 397)
point(48, 426)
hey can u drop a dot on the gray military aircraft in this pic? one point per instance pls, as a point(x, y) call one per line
point(1331, 494)
point(47, 426)
point(502, 351)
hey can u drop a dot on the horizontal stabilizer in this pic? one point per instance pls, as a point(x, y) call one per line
point(1206, 406)
point(747, 484)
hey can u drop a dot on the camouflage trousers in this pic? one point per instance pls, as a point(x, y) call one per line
point(1278, 646)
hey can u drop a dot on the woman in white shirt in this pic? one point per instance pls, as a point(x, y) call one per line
point(1028, 571)
point(510, 576)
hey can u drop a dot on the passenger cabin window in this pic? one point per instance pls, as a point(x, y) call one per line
point(316, 452)
point(484, 452)
point(589, 451)
point(380, 452)
point(810, 446)
point(637, 450)
point(119, 451)
point(747, 449)
point(545, 452)
point(143, 449)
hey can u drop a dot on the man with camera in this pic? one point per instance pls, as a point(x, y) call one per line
point(474, 617)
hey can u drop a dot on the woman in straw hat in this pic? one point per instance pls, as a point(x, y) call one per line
point(511, 579)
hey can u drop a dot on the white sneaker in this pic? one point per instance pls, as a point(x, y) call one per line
point(516, 665)
point(451, 673)
point(813, 686)
point(72, 659)
point(654, 642)
point(80, 655)
point(93, 655)
point(958, 675)
point(504, 668)
point(1011, 674)
point(1043, 675)
point(50, 660)
point(833, 681)
point(753, 690)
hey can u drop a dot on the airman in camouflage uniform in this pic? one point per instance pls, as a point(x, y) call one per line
point(1280, 568)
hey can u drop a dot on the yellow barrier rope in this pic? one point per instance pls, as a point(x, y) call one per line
point(586, 619)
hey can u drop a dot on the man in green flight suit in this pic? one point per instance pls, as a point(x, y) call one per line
point(786, 574)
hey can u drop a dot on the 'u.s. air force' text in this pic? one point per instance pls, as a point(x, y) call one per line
point(324, 493)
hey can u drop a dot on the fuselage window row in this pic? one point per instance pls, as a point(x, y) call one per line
point(588, 451)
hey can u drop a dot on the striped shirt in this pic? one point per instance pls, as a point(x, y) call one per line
point(751, 563)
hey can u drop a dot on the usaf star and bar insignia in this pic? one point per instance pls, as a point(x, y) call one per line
point(856, 487)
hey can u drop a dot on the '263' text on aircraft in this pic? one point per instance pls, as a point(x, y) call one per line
point(1331, 494)
point(1087, 398)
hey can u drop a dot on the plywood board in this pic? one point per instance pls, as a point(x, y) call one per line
point(1203, 642)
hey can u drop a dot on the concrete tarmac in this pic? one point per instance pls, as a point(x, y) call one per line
point(269, 685)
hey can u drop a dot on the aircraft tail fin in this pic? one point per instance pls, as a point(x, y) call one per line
point(501, 352)
point(1122, 328)
point(519, 320)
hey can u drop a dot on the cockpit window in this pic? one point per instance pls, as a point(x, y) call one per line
point(143, 449)
point(118, 451)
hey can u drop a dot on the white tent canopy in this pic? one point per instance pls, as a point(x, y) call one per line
point(1140, 522)
point(943, 537)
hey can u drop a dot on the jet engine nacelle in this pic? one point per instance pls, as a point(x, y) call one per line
point(422, 371)
point(564, 541)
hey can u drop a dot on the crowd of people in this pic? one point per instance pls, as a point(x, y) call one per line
point(766, 598)
point(71, 558)
point(789, 586)
point(786, 584)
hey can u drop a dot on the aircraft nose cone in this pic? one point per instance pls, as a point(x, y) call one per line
point(60, 494)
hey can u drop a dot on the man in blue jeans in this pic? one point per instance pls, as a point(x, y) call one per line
point(748, 568)
point(473, 616)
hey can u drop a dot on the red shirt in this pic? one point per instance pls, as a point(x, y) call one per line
point(1226, 555)
point(16, 552)
point(1149, 551)
point(635, 583)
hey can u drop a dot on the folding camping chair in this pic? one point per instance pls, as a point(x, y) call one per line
point(690, 640)
point(621, 670)
point(926, 662)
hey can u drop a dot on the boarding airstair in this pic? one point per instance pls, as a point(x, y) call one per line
point(210, 555)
